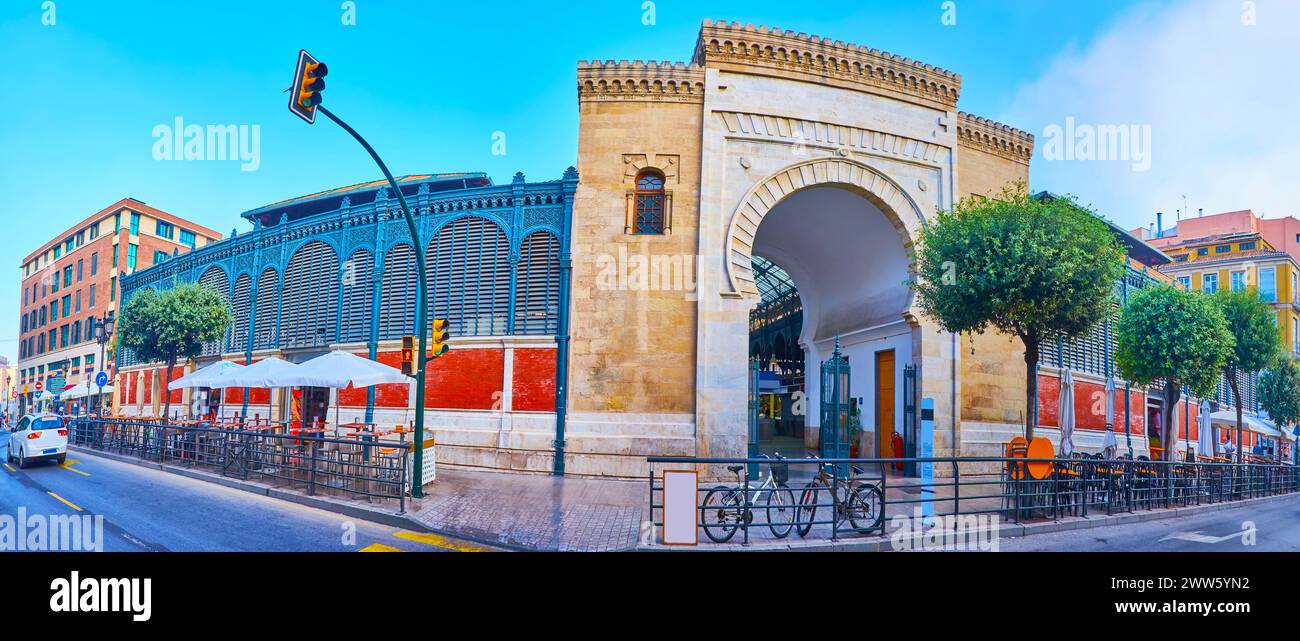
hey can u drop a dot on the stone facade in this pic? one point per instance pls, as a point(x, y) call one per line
point(758, 117)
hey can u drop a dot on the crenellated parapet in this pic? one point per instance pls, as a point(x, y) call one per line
point(640, 81)
point(790, 55)
point(987, 135)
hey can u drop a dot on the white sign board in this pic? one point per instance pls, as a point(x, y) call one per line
point(681, 518)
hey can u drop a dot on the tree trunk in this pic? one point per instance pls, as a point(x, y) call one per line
point(1172, 393)
point(167, 394)
point(1236, 400)
point(1031, 385)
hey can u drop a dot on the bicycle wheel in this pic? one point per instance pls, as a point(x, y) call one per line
point(806, 515)
point(781, 511)
point(866, 507)
point(721, 514)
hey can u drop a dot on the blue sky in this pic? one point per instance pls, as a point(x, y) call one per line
point(428, 83)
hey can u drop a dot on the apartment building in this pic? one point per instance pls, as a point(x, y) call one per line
point(72, 282)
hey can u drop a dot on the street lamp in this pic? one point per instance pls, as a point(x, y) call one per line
point(103, 332)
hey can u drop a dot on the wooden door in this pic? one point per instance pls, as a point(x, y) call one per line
point(885, 404)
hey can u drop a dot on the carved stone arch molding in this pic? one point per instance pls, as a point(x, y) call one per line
point(864, 180)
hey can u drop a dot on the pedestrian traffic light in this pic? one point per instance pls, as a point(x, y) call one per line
point(438, 346)
point(408, 355)
point(308, 83)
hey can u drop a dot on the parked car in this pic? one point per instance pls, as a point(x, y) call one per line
point(37, 437)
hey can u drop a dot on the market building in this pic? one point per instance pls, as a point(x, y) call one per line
point(732, 224)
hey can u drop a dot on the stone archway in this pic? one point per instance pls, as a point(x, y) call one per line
point(868, 182)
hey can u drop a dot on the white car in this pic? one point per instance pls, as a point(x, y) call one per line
point(36, 437)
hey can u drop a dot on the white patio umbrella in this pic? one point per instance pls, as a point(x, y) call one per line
point(1171, 450)
point(1205, 431)
point(1110, 446)
point(340, 370)
point(75, 392)
point(1067, 413)
point(214, 376)
point(269, 373)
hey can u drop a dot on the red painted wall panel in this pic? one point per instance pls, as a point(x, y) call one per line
point(148, 387)
point(178, 396)
point(391, 396)
point(1089, 406)
point(468, 379)
point(534, 380)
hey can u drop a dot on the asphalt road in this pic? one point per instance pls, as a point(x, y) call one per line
point(151, 510)
point(1272, 526)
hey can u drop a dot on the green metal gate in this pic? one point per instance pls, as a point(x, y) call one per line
point(835, 409)
point(753, 416)
point(911, 427)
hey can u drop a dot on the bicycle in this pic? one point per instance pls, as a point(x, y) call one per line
point(860, 502)
point(725, 509)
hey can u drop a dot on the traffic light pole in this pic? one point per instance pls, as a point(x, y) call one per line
point(421, 310)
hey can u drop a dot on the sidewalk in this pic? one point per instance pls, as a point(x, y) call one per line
point(535, 512)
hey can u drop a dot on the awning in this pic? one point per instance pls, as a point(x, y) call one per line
point(1228, 419)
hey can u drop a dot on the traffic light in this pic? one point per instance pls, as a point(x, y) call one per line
point(438, 346)
point(408, 355)
point(308, 83)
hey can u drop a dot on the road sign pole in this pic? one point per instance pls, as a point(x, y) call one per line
point(421, 311)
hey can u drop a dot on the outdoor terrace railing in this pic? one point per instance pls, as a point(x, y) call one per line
point(836, 497)
point(352, 468)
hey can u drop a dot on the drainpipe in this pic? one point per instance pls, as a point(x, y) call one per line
point(562, 331)
point(1160, 224)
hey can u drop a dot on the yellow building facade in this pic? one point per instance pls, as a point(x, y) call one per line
point(1239, 261)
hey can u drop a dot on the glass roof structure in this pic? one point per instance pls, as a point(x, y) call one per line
point(772, 281)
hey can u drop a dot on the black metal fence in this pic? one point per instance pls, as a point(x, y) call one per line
point(352, 468)
point(835, 497)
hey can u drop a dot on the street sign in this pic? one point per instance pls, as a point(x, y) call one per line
point(57, 383)
point(38, 394)
point(39, 386)
point(101, 379)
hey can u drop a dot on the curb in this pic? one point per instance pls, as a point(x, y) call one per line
point(1009, 530)
point(392, 519)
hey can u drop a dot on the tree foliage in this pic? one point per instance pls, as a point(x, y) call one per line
point(1034, 268)
point(1174, 337)
point(1253, 325)
point(1279, 391)
point(171, 326)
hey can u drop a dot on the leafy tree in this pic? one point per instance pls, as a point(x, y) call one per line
point(1253, 324)
point(165, 327)
point(1279, 392)
point(1174, 337)
point(1036, 268)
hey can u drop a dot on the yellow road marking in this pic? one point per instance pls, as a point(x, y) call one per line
point(377, 547)
point(65, 501)
point(10, 468)
point(440, 541)
point(70, 469)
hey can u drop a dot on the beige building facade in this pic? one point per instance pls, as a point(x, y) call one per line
point(822, 157)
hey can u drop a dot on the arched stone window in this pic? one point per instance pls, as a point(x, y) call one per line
point(649, 203)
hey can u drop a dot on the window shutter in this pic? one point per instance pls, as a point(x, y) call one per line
point(469, 261)
point(239, 304)
point(268, 298)
point(537, 287)
point(397, 294)
point(311, 294)
point(358, 294)
point(216, 281)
